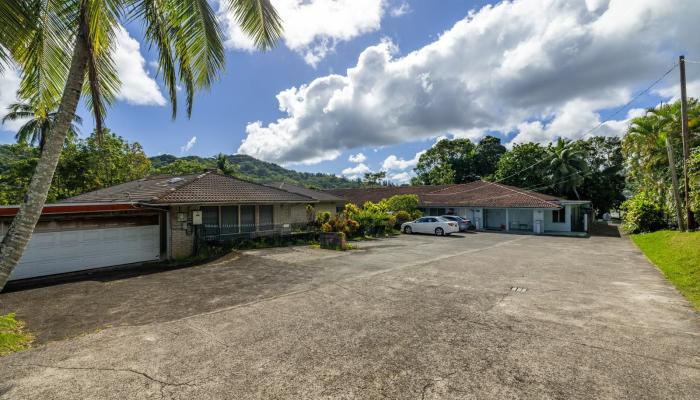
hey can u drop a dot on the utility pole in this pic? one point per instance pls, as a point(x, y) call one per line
point(690, 219)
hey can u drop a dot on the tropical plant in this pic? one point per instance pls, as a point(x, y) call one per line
point(488, 152)
point(568, 167)
point(604, 182)
point(84, 165)
point(401, 202)
point(65, 48)
point(525, 166)
point(374, 178)
point(448, 161)
point(38, 125)
point(642, 214)
point(224, 166)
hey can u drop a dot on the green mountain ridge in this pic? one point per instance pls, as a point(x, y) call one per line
point(251, 168)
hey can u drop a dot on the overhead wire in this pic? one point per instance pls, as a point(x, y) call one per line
point(609, 118)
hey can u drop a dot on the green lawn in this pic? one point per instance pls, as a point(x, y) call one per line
point(12, 335)
point(677, 254)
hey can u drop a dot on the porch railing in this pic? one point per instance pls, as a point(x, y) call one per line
point(237, 232)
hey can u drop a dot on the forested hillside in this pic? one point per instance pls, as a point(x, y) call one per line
point(250, 168)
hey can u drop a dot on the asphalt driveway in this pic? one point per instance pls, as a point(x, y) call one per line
point(473, 316)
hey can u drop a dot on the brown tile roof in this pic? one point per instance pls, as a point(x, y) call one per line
point(141, 190)
point(304, 191)
point(207, 187)
point(474, 194)
point(215, 188)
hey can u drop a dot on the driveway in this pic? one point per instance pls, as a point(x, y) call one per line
point(471, 316)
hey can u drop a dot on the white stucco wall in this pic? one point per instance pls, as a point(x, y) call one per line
point(558, 226)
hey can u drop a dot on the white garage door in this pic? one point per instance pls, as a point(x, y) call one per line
point(67, 251)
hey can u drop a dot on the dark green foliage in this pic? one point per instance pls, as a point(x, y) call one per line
point(642, 214)
point(249, 168)
point(488, 153)
point(448, 161)
point(605, 180)
point(84, 166)
point(525, 166)
point(401, 202)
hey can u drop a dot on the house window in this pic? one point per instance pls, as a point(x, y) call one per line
point(210, 221)
point(247, 218)
point(229, 220)
point(265, 218)
point(559, 216)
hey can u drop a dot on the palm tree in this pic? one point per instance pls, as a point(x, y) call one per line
point(568, 167)
point(65, 48)
point(649, 145)
point(224, 166)
point(36, 129)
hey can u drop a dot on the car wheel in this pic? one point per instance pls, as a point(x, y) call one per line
point(439, 231)
point(407, 230)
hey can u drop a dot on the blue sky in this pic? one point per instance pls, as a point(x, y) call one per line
point(529, 70)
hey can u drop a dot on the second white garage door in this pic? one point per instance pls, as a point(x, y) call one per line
point(51, 253)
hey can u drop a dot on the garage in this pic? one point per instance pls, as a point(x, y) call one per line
point(77, 241)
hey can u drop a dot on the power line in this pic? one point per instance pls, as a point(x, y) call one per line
point(629, 103)
point(616, 112)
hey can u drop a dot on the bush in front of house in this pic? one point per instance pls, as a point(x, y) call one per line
point(401, 202)
point(401, 217)
point(642, 214)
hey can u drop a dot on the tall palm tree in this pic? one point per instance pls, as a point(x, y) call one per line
point(224, 166)
point(38, 125)
point(64, 48)
point(568, 167)
point(649, 145)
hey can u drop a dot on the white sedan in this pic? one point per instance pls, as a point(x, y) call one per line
point(433, 225)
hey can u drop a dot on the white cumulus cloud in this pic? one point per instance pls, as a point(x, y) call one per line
point(394, 163)
point(357, 158)
point(9, 83)
point(402, 9)
point(188, 146)
point(357, 170)
point(312, 27)
point(504, 68)
point(402, 177)
point(138, 87)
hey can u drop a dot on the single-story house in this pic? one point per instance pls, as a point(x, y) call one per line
point(158, 218)
point(490, 206)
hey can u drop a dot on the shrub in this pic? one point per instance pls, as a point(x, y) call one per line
point(323, 218)
point(402, 216)
point(416, 214)
point(401, 202)
point(641, 214)
point(326, 227)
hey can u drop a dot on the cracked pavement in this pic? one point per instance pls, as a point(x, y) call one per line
point(408, 317)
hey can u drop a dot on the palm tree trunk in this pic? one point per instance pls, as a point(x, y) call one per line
point(674, 182)
point(20, 232)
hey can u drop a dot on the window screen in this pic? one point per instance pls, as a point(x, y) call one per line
point(266, 218)
point(229, 220)
point(247, 218)
point(210, 221)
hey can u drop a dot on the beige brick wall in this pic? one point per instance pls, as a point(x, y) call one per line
point(180, 240)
